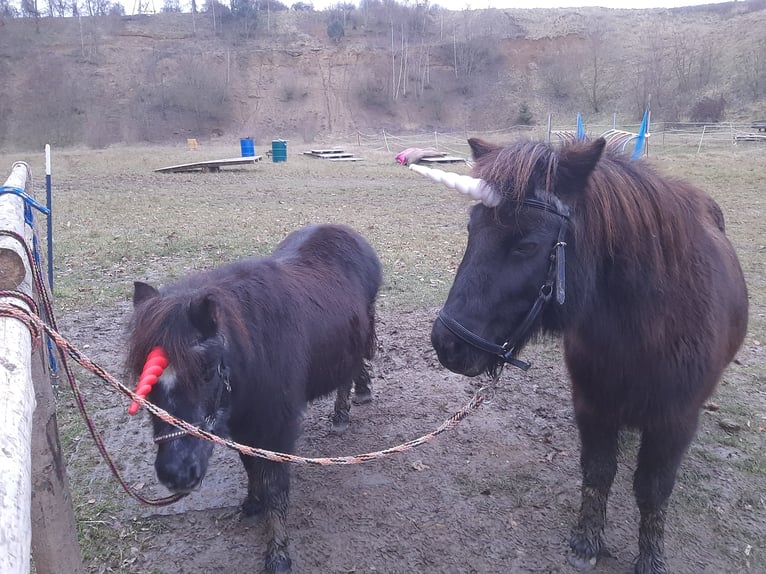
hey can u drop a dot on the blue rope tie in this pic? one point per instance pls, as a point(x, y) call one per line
point(29, 202)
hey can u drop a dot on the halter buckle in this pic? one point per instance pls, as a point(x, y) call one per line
point(508, 357)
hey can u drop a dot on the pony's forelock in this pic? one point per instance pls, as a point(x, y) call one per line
point(163, 321)
point(519, 170)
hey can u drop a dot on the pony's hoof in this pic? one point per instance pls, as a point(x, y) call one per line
point(585, 552)
point(252, 506)
point(278, 564)
point(340, 423)
point(339, 427)
point(582, 563)
point(362, 398)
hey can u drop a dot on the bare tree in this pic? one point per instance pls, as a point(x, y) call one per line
point(8, 10)
point(597, 77)
point(656, 69)
point(752, 70)
point(98, 7)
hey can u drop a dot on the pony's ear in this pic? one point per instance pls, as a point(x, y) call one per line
point(576, 162)
point(480, 147)
point(203, 313)
point(142, 292)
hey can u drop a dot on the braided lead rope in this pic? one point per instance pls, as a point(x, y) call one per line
point(29, 319)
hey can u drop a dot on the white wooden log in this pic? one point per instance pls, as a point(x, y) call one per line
point(17, 403)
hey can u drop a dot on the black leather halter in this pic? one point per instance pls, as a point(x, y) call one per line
point(555, 281)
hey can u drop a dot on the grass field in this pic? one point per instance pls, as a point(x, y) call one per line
point(116, 221)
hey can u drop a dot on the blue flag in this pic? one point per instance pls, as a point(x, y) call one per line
point(580, 128)
point(641, 138)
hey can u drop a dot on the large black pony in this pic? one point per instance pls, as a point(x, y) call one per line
point(635, 272)
point(247, 345)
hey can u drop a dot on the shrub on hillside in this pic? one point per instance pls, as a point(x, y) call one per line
point(708, 109)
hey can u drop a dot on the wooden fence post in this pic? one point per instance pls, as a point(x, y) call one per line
point(33, 488)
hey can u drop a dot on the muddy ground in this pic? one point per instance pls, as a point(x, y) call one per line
point(498, 494)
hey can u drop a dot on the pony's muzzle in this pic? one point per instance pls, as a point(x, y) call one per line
point(458, 356)
point(182, 469)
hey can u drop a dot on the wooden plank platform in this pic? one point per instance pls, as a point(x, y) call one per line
point(334, 154)
point(322, 151)
point(442, 159)
point(212, 165)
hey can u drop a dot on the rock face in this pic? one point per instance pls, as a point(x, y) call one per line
point(165, 77)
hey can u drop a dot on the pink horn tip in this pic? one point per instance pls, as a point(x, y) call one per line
point(156, 362)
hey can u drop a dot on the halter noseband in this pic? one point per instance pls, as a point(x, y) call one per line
point(209, 420)
point(555, 281)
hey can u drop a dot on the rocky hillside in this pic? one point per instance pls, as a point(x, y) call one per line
point(164, 77)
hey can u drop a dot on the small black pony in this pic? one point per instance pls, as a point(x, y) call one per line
point(636, 273)
point(247, 346)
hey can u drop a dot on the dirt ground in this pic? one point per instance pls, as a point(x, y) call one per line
point(498, 494)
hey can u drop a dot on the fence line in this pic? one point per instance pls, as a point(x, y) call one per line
point(665, 136)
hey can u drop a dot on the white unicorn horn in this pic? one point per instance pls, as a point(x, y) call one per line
point(470, 186)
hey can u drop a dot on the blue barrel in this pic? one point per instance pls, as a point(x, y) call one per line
point(247, 146)
point(278, 151)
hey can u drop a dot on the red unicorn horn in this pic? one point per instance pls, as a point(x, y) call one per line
point(156, 361)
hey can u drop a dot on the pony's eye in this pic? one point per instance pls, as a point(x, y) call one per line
point(525, 247)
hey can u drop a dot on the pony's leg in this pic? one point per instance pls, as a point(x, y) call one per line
point(363, 386)
point(659, 457)
point(268, 490)
point(598, 461)
point(342, 413)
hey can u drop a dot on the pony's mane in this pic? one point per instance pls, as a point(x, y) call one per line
point(628, 210)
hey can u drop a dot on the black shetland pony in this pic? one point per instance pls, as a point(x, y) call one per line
point(635, 272)
point(247, 346)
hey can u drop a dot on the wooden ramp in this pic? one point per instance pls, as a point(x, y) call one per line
point(212, 165)
point(333, 154)
point(442, 159)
